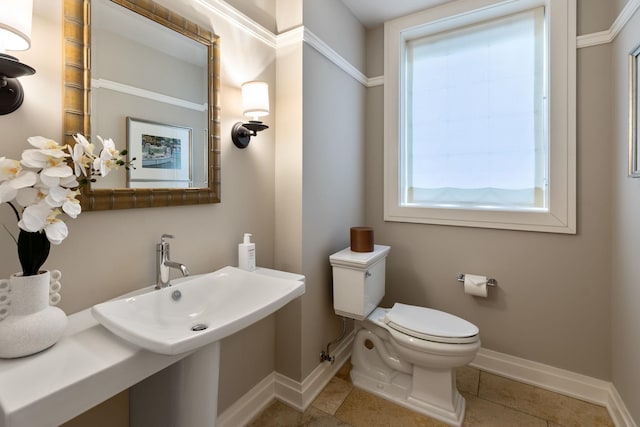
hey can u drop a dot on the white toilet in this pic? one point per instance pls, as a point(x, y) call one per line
point(406, 354)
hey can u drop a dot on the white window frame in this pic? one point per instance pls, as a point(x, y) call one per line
point(560, 217)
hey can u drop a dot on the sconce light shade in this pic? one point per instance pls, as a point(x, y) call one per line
point(15, 34)
point(15, 24)
point(255, 99)
point(255, 103)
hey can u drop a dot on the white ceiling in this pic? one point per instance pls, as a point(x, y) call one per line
point(374, 12)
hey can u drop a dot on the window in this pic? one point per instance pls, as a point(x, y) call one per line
point(480, 115)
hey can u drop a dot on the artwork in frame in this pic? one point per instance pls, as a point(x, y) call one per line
point(634, 114)
point(163, 154)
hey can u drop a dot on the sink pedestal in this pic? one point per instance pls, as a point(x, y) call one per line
point(184, 394)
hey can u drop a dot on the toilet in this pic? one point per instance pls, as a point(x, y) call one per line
point(406, 354)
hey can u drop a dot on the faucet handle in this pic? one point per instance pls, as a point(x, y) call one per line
point(165, 236)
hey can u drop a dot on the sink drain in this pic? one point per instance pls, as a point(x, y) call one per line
point(199, 327)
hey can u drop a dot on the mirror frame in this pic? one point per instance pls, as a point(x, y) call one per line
point(634, 113)
point(77, 104)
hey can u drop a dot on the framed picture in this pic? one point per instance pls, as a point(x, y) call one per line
point(162, 152)
point(634, 114)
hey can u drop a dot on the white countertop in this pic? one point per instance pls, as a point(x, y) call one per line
point(88, 365)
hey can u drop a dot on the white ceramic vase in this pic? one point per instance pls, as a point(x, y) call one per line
point(29, 322)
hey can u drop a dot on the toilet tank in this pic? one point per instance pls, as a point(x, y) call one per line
point(358, 281)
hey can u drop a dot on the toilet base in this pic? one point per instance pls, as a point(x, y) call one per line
point(378, 370)
point(398, 391)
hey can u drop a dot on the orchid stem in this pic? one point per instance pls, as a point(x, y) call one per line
point(12, 236)
point(14, 210)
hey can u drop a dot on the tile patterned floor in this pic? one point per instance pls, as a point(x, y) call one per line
point(492, 401)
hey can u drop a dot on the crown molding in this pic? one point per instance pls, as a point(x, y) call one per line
point(302, 34)
point(333, 56)
point(607, 36)
point(240, 20)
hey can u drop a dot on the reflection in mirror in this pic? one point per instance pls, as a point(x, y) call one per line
point(149, 88)
point(152, 86)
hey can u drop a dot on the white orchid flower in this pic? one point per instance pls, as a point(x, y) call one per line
point(58, 193)
point(29, 196)
point(109, 145)
point(9, 168)
point(43, 143)
point(43, 183)
point(7, 192)
point(51, 161)
point(69, 182)
point(17, 178)
point(71, 205)
point(34, 217)
point(82, 155)
point(108, 159)
point(40, 217)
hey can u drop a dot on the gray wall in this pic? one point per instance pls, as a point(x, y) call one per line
point(625, 287)
point(552, 302)
point(320, 180)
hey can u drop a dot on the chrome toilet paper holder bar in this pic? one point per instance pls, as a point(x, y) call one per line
point(490, 281)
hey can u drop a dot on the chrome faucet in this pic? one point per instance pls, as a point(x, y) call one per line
point(163, 263)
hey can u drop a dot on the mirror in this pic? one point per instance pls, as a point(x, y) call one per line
point(170, 122)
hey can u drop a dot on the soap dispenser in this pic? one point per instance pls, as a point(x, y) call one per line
point(247, 254)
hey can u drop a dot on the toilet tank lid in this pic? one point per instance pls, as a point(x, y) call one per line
point(349, 258)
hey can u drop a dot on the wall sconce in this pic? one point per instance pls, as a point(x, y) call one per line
point(255, 103)
point(15, 34)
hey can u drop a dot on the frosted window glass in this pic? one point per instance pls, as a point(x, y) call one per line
point(476, 116)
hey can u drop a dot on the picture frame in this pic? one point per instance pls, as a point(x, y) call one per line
point(634, 114)
point(162, 153)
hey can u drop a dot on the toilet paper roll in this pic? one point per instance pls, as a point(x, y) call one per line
point(475, 285)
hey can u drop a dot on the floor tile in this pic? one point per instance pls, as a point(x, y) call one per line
point(467, 380)
point(314, 417)
point(332, 396)
point(482, 413)
point(554, 407)
point(344, 371)
point(277, 415)
point(361, 409)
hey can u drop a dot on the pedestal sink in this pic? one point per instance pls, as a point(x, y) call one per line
point(193, 315)
point(197, 310)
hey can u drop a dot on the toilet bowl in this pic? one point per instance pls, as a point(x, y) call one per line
point(406, 354)
point(412, 371)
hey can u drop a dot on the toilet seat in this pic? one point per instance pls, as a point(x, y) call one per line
point(431, 325)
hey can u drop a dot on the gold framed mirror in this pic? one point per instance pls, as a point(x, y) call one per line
point(77, 106)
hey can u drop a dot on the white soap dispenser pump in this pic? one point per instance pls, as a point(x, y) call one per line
point(247, 254)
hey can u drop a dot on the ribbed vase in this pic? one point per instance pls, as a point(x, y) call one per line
point(29, 322)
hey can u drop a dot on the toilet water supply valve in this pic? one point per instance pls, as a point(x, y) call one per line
point(325, 355)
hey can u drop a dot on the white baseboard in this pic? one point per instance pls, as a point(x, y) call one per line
point(557, 380)
point(301, 395)
point(276, 386)
point(618, 410)
point(249, 405)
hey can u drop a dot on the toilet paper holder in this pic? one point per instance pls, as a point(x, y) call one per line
point(490, 281)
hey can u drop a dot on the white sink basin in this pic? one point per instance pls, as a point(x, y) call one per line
point(208, 308)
